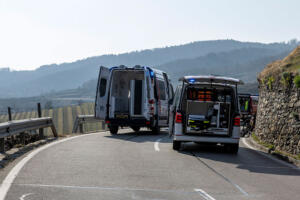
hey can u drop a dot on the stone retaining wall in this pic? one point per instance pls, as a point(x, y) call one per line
point(276, 121)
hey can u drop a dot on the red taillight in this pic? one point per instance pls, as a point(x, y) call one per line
point(178, 117)
point(147, 123)
point(151, 110)
point(151, 101)
point(107, 122)
point(237, 121)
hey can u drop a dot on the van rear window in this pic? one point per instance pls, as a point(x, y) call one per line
point(102, 87)
point(161, 90)
point(203, 94)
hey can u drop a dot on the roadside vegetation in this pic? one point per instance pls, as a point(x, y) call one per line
point(297, 81)
point(271, 147)
point(257, 140)
point(286, 71)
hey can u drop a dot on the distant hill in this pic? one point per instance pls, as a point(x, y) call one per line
point(243, 63)
point(196, 55)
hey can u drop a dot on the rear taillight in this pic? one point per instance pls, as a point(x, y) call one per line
point(107, 122)
point(178, 117)
point(151, 101)
point(237, 121)
point(147, 122)
point(151, 110)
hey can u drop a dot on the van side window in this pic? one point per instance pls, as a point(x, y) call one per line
point(162, 90)
point(148, 87)
point(177, 96)
point(102, 87)
point(171, 91)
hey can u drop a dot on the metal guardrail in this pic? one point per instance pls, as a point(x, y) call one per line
point(15, 127)
point(82, 119)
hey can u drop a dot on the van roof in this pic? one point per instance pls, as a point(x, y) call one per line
point(137, 67)
point(244, 94)
point(211, 79)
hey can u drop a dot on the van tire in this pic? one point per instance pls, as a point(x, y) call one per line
point(136, 128)
point(176, 145)
point(155, 130)
point(113, 130)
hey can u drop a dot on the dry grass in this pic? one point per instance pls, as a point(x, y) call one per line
point(291, 63)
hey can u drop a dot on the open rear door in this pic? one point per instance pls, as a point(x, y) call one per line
point(102, 93)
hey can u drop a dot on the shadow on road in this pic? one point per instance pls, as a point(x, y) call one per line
point(246, 159)
point(141, 136)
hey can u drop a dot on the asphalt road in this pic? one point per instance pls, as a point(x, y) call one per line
point(144, 166)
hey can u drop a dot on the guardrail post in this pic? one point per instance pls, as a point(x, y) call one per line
point(103, 125)
point(9, 114)
point(2, 145)
point(9, 119)
point(41, 131)
point(80, 127)
point(22, 137)
point(53, 130)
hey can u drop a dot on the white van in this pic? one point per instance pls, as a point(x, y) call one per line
point(133, 96)
point(205, 110)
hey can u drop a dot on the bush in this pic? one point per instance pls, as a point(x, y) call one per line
point(263, 81)
point(286, 78)
point(297, 81)
point(270, 82)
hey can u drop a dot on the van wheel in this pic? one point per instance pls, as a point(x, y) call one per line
point(113, 130)
point(155, 130)
point(233, 148)
point(136, 128)
point(176, 145)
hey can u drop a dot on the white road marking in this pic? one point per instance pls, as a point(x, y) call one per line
point(240, 189)
point(104, 188)
point(269, 156)
point(9, 179)
point(204, 194)
point(25, 195)
point(156, 144)
point(221, 175)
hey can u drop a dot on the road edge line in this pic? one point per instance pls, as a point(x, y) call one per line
point(10, 177)
point(269, 155)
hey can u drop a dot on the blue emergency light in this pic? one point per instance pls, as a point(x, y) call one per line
point(191, 80)
point(151, 74)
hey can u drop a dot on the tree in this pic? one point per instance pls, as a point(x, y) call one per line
point(294, 42)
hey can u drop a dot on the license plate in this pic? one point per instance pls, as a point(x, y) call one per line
point(122, 116)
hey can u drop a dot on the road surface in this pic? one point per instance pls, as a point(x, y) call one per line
point(144, 166)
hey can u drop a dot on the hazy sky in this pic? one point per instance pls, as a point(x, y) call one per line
point(38, 32)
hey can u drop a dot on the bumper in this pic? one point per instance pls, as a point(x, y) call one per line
point(225, 140)
point(130, 122)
